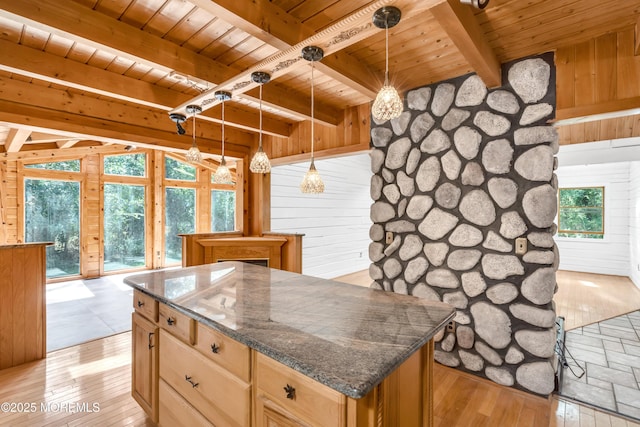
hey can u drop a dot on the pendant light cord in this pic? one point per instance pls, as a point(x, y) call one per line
point(386, 50)
point(194, 129)
point(223, 130)
point(260, 140)
point(312, 115)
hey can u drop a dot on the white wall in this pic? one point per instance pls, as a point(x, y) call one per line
point(634, 222)
point(336, 223)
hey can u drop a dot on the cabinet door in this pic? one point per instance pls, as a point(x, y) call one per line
point(144, 375)
point(269, 415)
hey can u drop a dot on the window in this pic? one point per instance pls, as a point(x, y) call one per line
point(52, 214)
point(69, 166)
point(174, 169)
point(124, 231)
point(127, 165)
point(581, 212)
point(180, 218)
point(223, 210)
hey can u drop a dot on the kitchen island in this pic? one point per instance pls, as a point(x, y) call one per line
point(236, 344)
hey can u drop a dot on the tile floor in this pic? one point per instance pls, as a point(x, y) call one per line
point(609, 353)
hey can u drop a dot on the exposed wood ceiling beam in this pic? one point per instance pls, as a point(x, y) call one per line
point(67, 144)
point(68, 153)
point(101, 32)
point(16, 139)
point(462, 27)
point(603, 110)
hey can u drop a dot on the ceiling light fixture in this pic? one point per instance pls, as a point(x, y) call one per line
point(260, 161)
point(478, 4)
point(388, 104)
point(179, 119)
point(194, 155)
point(312, 182)
point(222, 175)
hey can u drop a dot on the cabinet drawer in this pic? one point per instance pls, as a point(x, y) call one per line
point(177, 323)
point(307, 399)
point(145, 305)
point(221, 397)
point(175, 411)
point(229, 353)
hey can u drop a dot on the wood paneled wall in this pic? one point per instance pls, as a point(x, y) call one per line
point(8, 202)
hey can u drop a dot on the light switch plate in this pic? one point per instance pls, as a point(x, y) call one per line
point(521, 245)
point(389, 238)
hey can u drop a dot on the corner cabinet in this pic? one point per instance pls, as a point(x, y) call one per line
point(144, 366)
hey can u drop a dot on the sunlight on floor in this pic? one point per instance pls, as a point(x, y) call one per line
point(99, 366)
point(67, 291)
point(588, 284)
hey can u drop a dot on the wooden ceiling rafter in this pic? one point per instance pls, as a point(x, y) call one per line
point(16, 139)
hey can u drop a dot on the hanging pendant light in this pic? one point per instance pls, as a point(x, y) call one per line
point(260, 161)
point(388, 104)
point(222, 175)
point(194, 155)
point(312, 182)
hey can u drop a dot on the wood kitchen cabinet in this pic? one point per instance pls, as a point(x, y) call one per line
point(144, 366)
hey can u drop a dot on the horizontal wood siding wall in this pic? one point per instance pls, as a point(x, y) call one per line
point(336, 223)
point(611, 255)
point(9, 201)
point(634, 222)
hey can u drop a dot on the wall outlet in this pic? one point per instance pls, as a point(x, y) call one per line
point(451, 326)
point(388, 238)
point(521, 245)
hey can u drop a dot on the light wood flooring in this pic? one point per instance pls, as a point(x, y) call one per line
point(63, 389)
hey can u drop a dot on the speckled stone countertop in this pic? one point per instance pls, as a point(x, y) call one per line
point(344, 336)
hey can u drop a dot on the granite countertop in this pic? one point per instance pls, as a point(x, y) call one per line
point(344, 336)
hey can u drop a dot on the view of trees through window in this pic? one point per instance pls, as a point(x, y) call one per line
point(52, 214)
point(124, 226)
point(223, 210)
point(180, 218)
point(126, 165)
point(581, 212)
point(70, 166)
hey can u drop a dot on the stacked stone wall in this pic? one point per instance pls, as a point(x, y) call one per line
point(458, 177)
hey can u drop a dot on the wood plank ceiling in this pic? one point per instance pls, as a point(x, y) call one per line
point(78, 73)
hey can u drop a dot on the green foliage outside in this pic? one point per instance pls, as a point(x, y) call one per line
point(223, 210)
point(52, 214)
point(581, 212)
point(180, 218)
point(173, 169)
point(127, 165)
point(70, 166)
point(124, 226)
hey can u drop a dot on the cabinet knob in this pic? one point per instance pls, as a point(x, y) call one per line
point(170, 321)
point(190, 381)
point(140, 303)
point(291, 392)
point(214, 348)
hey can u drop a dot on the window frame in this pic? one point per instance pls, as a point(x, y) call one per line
point(602, 208)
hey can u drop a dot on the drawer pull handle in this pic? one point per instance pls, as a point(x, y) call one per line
point(150, 345)
point(190, 381)
point(140, 303)
point(215, 348)
point(291, 392)
point(170, 321)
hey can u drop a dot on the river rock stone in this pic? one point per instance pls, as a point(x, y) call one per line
point(492, 324)
point(503, 191)
point(377, 160)
point(463, 259)
point(436, 253)
point(448, 342)
point(530, 79)
point(512, 225)
point(375, 272)
point(382, 212)
point(467, 141)
point(393, 246)
point(392, 268)
point(420, 126)
point(539, 257)
point(451, 165)
point(402, 206)
point(540, 286)
point(536, 164)
point(415, 269)
point(402, 226)
point(536, 112)
point(400, 287)
point(411, 247)
point(540, 317)
point(418, 99)
point(500, 376)
point(497, 156)
point(540, 204)
point(376, 232)
point(381, 136)
point(472, 174)
point(437, 224)
point(442, 278)
point(413, 160)
point(473, 284)
point(387, 175)
point(400, 123)
point(462, 318)
point(535, 135)
point(537, 377)
point(466, 236)
point(503, 101)
point(471, 361)
point(502, 293)
point(501, 266)
point(425, 292)
point(447, 359)
point(406, 184)
point(456, 299)
point(397, 153)
point(392, 193)
point(376, 251)
point(448, 195)
point(477, 208)
point(419, 206)
point(442, 99)
point(542, 240)
point(489, 354)
point(472, 92)
point(454, 118)
point(375, 189)
point(496, 243)
point(492, 124)
point(513, 356)
point(465, 336)
point(435, 142)
point(428, 174)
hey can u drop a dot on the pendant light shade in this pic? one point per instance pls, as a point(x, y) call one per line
point(222, 175)
point(260, 162)
point(194, 155)
point(312, 182)
point(387, 104)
